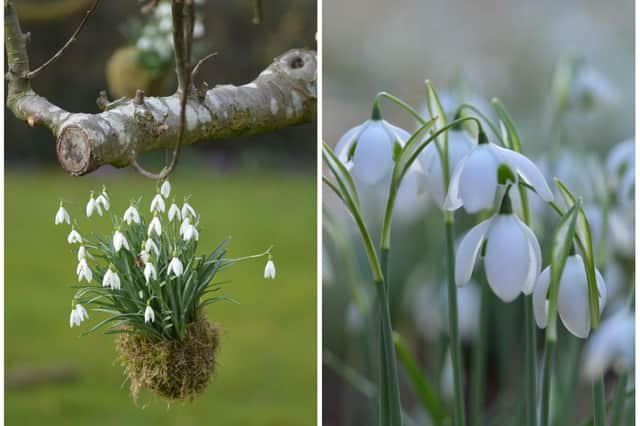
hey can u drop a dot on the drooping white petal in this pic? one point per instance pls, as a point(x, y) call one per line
point(149, 315)
point(528, 170)
point(468, 251)
point(270, 270)
point(81, 312)
point(62, 216)
point(82, 253)
point(453, 199)
point(157, 204)
point(612, 346)
point(175, 266)
point(155, 226)
point(120, 241)
point(187, 210)
point(373, 155)
point(165, 189)
point(72, 318)
point(103, 201)
point(150, 272)
point(131, 215)
point(184, 225)
point(507, 258)
point(535, 253)
point(540, 303)
point(174, 212)
point(74, 237)
point(344, 146)
point(573, 298)
point(479, 180)
point(91, 206)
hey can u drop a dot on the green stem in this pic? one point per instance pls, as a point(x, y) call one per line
point(619, 400)
point(530, 359)
point(545, 397)
point(402, 104)
point(479, 359)
point(597, 393)
point(459, 415)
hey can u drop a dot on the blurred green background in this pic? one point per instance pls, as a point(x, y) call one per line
point(267, 364)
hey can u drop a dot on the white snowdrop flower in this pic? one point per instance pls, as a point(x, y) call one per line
point(512, 259)
point(150, 272)
point(175, 266)
point(573, 297)
point(155, 226)
point(74, 237)
point(165, 189)
point(111, 279)
point(190, 232)
point(157, 204)
point(270, 269)
point(151, 245)
point(620, 161)
point(82, 253)
point(84, 271)
point(131, 215)
point(78, 314)
point(367, 150)
point(103, 199)
point(174, 212)
point(459, 144)
point(622, 232)
point(611, 346)
point(93, 206)
point(145, 256)
point(187, 209)
point(184, 225)
point(474, 181)
point(62, 216)
point(149, 315)
point(120, 241)
point(591, 88)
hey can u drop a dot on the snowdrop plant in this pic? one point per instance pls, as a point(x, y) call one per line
point(153, 299)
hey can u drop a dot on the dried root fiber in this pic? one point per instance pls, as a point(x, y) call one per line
point(175, 370)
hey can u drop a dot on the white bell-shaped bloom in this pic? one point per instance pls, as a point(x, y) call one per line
point(174, 212)
point(131, 215)
point(74, 237)
point(157, 204)
point(512, 259)
point(622, 231)
point(150, 272)
point(103, 199)
point(149, 315)
point(187, 210)
point(150, 245)
point(91, 206)
point(84, 271)
point(145, 256)
point(111, 279)
point(184, 225)
point(165, 189)
point(474, 182)
point(621, 162)
point(270, 270)
point(78, 314)
point(190, 233)
point(573, 297)
point(82, 253)
point(175, 266)
point(459, 144)
point(62, 216)
point(368, 150)
point(119, 241)
point(155, 226)
point(612, 346)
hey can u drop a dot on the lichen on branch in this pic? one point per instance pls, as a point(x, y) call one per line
point(283, 95)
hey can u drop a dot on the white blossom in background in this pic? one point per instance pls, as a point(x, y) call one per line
point(270, 270)
point(83, 271)
point(103, 199)
point(459, 145)
point(74, 237)
point(62, 216)
point(165, 189)
point(157, 204)
point(78, 314)
point(111, 279)
point(155, 226)
point(131, 215)
point(620, 162)
point(119, 241)
point(474, 182)
point(174, 212)
point(612, 346)
point(187, 210)
point(512, 259)
point(92, 206)
point(149, 315)
point(573, 297)
point(175, 267)
point(150, 272)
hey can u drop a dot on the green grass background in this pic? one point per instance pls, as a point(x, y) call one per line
point(267, 364)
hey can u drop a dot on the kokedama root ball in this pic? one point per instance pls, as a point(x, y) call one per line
point(175, 370)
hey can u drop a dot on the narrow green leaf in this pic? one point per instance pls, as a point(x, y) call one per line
point(507, 125)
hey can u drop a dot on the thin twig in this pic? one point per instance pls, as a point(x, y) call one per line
point(182, 41)
point(73, 38)
point(194, 73)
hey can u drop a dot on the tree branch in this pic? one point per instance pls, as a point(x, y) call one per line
point(283, 95)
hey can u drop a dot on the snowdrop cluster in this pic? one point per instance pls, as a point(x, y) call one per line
point(165, 275)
